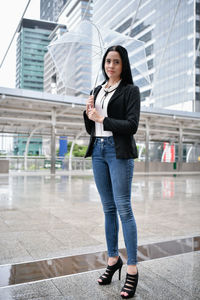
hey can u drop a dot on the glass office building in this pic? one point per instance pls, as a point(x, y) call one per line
point(32, 44)
point(72, 13)
point(50, 9)
point(171, 32)
point(35, 145)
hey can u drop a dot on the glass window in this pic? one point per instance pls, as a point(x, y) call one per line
point(197, 79)
point(147, 37)
point(197, 96)
point(124, 26)
point(198, 8)
point(197, 26)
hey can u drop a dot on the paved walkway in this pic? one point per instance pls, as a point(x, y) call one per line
point(43, 217)
point(177, 277)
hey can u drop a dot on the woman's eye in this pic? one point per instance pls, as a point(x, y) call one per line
point(116, 62)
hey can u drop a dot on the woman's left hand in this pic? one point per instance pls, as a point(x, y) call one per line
point(94, 115)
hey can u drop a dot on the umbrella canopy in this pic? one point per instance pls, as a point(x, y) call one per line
point(78, 54)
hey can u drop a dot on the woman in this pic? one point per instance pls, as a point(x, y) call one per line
point(111, 118)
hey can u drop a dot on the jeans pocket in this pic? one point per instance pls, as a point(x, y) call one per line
point(94, 147)
point(111, 141)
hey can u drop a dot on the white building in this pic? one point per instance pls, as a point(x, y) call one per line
point(171, 32)
point(72, 13)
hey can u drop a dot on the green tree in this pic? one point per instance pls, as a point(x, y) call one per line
point(78, 150)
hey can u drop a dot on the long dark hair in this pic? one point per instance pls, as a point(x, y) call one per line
point(126, 75)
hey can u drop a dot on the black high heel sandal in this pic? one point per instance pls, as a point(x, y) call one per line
point(110, 270)
point(130, 285)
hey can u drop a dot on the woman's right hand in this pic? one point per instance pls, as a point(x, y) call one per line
point(89, 104)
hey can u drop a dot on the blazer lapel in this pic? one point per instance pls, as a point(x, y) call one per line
point(96, 92)
point(117, 93)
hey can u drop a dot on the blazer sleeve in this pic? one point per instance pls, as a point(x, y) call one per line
point(88, 123)
point(132, 115)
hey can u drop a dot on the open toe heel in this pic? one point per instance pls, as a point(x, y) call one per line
point(110, 270)
point(130, 285)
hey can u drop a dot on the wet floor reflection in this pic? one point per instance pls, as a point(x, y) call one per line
point(144, 188)
point(28, 272)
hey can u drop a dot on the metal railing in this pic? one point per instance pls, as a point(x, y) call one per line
point(36, 163)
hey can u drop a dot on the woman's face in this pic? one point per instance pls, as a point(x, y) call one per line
point(113, 65)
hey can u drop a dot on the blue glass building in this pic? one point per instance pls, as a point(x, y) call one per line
point(32, 44)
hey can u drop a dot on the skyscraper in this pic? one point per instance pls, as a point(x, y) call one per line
point(50, 9)
point(52, 84)
point(73, 12)
point(32, 41)
point(32, 44)
point(171, 32)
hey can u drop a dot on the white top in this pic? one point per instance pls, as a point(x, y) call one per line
point(101, 106)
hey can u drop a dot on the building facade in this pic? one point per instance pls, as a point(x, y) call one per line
point(50, 9)
point(171, 33)
point(72, 13)
point(32, 41)
point(52, 83)
point(35, 146)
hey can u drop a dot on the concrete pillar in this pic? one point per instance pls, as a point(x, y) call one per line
point(188, 154)
point(26, 150)
point(53, 141)
point(140, 152)
point(72, 147)
point(27, 145)
point(163, 154)
point(180, 147)
point(147, 147)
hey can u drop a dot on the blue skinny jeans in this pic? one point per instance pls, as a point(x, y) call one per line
point(113, 178)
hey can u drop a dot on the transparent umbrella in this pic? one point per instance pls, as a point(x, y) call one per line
point(77, 56)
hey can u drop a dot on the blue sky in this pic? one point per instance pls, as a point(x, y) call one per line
point(10, 14)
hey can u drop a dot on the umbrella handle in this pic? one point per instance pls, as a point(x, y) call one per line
point(95, 83)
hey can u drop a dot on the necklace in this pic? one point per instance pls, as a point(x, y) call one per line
point(104, 97)
point(107, 91)
point(109, 86)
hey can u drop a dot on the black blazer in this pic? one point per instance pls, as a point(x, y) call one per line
point(123, 119)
